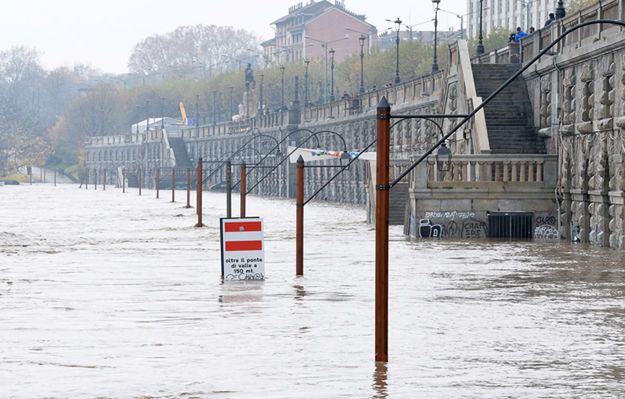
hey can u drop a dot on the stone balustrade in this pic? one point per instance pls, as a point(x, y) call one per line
point(489, 168)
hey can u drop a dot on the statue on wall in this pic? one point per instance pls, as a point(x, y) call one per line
point(250, 82)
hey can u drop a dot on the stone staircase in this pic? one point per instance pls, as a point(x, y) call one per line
point(509, 116)
point(180, 153)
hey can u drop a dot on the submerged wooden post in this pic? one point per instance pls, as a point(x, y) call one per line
point(198, 189)
point(123, 180)
point(173, 184)
point(95, 179)
point(243, 188)
point(299, 217)
point(228, 189)
point(87, 179)
point(381, 230)
point(104, 180)
point(188, 188)
point(157, 182)
point(54, 177)
point(139, 180)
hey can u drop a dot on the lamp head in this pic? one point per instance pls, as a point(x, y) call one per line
point(443, 158)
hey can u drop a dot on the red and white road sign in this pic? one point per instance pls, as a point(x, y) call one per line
point(242, 252)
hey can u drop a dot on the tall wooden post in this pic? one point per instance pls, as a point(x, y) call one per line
point(95, 179)
point(139, 180)
point(198, 189)
point(157, 182)
point(299, 218)
point(54, 177)
point(243, 188)
point(173, 184)
point(44, 174)
point(87, 179)
point(123, 180)
point(188, 188)
point(381, 230)
point(104, 180)
point(228, 189)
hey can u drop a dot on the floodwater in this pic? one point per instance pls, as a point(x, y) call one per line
point(111, 295)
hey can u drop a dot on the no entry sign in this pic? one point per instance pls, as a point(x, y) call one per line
point(242, 255)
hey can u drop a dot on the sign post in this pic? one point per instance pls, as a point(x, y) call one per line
point(242, 249)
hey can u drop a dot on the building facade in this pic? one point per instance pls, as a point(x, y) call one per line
point(507, 14)
point(311, 30)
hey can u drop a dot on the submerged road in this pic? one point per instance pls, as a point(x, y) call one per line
point(112, 295)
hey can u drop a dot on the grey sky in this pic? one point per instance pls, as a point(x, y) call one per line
point(101, 33)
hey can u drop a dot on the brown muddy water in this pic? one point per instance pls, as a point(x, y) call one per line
point(111, 295)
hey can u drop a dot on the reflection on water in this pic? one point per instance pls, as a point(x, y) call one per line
point(112, 295)
point(379, 381)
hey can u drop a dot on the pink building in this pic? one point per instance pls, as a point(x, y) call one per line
point(311, 30)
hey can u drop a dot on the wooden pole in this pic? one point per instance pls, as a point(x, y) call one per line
point(188, 188)
point(87, 179)
point(157, 183)
point(299, 218)
point(123, 180)
point(104, 180)
point(95, 179)
point(382, 188)
point(54, 177)
point(44, 175)
point(198, 189)
point(173, 184)
point(228, 189)
point(243, 188)
point(139, 180)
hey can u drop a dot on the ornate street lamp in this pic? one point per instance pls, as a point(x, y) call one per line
point(261, 106)
point(398, 25)
point(306, 102)
point(362, 39)
point(443, 158)
point(332, 74)
point(282, 87)
point(480, 43)
point(436, 4)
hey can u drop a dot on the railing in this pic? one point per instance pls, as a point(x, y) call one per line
point(530, 169)
point(131, 138)
point(534, 43)
point(404, 93)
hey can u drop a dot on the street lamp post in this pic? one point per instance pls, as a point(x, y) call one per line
point(215, 107)
point(435, 62)
point(230, 106)
point(362, 39)
point(398, 24)
point(162, 115)
point(261, 105)
point(260, 95)
point(282, 68)
point(480, 44)
point(332, 74)
point(306, 63)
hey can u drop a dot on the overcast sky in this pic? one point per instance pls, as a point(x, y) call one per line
point(102, 33)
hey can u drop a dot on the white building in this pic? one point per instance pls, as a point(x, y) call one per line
point(508, 14)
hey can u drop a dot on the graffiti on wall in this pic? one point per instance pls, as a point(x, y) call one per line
point(448, 224)
point(545, 227)
point(429, 230)
point(474, 228)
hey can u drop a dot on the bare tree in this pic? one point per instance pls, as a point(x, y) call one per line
point(194, 48)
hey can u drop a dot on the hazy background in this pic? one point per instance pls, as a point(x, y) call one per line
point(103, 33)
